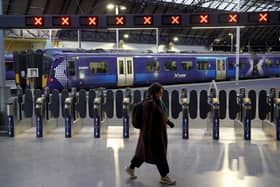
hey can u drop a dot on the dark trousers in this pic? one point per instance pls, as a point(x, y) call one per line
point(162, 166)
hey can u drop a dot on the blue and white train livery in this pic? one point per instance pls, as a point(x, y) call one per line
point(91, 70)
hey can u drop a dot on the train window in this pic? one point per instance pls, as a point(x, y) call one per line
point(202, 65)
point(129, 67)
point(98, 67)
point(187, 65)
point(170, 66)
point(152, 66)
point(121, 68)
point(9, 66)
point(231, 64)
point(269, 63)
point(242, 65)
point(71, 68)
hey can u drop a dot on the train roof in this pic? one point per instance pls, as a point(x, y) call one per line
point(117, 52)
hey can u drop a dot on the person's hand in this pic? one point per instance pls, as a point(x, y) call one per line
point(170, 124)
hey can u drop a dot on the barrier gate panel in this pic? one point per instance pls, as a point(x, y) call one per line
point(193, 104)
point(175, 104)
point(109, 106)
point(91, 96)
point(119, 104)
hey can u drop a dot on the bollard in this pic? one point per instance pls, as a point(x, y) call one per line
point(97, 116)
point(126, 103)
point(246, 107)
point(39, 114)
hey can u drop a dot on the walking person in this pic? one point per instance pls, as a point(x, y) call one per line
point(152, 142)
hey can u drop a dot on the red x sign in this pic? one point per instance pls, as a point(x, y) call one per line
point(92, 21)
point(203, 19)
point(263, 17)
point(65, 21)
point(175, 20)
point(38, 21)
point(232, 18)
point(147, 20)
point(119, 20)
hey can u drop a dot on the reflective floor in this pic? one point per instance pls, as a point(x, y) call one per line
point(83, 161)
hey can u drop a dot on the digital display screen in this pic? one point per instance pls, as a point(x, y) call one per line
point(36, 21)
point(61, 21)
point(143, 20)
point(171, 20)
point(199, 19)
point(232, 18)
point(91, 21)
point(261, 17)
point(116, 20)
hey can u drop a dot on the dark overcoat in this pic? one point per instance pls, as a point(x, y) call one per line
point(152, 141)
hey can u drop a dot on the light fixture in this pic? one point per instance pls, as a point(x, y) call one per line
point(110, 6)
point(175, 39)
point(126, 36)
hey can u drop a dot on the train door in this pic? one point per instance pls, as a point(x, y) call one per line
point(71, 73)
point(125, 71)
point(220, 68)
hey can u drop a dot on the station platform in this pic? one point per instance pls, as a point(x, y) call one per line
point(83, 161)
point(199, 161)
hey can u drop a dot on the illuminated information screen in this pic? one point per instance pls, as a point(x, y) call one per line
point(141, 21)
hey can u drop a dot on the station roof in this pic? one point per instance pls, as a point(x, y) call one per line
point(257, 38)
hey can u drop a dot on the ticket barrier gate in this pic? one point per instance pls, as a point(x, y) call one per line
point(44, 122)
point(210, 109)
point(97, 100)
point(185, 110)
point(242, 108)
point(126, 112)
point(269, 113)
point(73, 123)
point(19, 112)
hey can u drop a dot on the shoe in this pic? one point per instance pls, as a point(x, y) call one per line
point(167, 180)
point(130, 172)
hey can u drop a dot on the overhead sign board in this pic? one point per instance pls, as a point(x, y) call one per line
point(139, 21)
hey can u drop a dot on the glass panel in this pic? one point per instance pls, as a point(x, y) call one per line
point(152, 67)
point(71, 68)
point(170, 66)
point(129, 66)
point(187, 65)
point(121, 68)
point(98, 67)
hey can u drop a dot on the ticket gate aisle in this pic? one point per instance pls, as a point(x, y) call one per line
point(20, 115)
point(269, 113)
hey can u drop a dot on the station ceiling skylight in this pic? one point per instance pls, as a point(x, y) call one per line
point(231, 5)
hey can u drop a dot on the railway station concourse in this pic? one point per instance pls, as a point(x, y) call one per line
point(218, 62)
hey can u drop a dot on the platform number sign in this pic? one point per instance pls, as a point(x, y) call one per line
point(64, 21)
point(171, 20)
point(36, 21)
point(143, 20)
point(116, 20)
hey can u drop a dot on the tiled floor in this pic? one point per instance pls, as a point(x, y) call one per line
point(83, 161)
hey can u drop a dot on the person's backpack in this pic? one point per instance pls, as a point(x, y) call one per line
point(137, 115)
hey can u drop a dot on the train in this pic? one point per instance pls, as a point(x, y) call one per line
point(83, 69)
point(91, 70)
